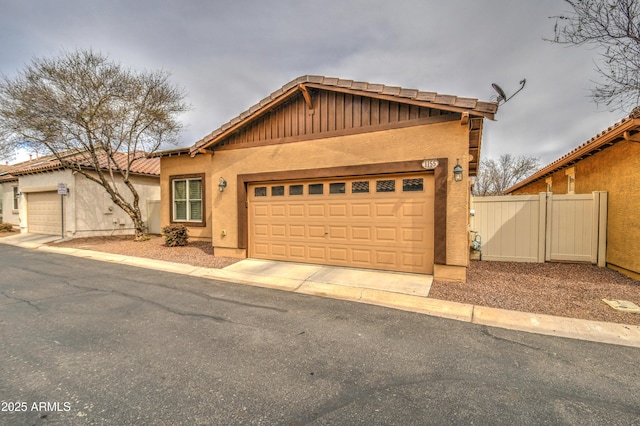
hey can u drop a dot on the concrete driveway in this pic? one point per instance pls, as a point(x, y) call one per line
point(30, 240)
point(413, 284)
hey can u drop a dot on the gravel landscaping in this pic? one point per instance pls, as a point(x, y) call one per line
point(562, 289)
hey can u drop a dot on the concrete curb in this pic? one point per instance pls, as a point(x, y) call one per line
point(595, 331)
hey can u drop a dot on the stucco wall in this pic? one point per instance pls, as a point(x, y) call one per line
point(615, 170)
point(88, 209)
point(9, 215)
point(94, 212)
point(187, 165)
point(442, 140)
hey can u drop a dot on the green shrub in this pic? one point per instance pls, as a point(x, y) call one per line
point(6, 227)
point(175, 235)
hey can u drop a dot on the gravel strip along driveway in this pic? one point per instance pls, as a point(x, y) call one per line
point(561, 289)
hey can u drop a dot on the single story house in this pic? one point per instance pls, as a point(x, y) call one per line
point(32, 200)
point(609, 161)
point(336, 172)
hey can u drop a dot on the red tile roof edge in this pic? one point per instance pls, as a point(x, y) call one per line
point(610, 136)
point(149, 166)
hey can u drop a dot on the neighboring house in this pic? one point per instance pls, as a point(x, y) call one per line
point(610, 161)
point(4, 169)
point(336, 172)
point(33, 203)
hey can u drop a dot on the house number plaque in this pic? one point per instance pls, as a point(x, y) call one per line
point(430, 164)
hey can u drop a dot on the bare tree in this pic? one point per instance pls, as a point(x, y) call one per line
point(613, 27)
point(94, 116)
point(496, 176)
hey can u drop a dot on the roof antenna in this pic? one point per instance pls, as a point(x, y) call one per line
point(502, 97)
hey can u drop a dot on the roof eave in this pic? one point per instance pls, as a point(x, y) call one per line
point(609, 137)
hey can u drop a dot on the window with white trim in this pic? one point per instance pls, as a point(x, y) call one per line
point(16, 197)
point(187, 200)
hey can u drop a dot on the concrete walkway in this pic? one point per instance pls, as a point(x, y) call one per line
point(407, 292)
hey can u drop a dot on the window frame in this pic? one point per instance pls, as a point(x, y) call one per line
point(571, 180)
point(15, 201)
point(188, 222)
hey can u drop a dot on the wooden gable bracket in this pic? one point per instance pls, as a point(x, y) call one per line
point(201, 151)
point(464, 119)
point(629, 137)
point(307, 97)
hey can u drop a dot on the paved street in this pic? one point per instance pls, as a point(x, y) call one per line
point(88, 342)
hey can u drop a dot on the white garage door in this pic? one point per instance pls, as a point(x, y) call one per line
point(44, 213)
point(380, 222)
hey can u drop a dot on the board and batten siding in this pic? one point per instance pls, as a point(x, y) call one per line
point(331, 112)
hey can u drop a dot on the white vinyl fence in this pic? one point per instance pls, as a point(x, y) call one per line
point(543, 227)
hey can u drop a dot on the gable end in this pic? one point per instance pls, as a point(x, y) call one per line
point(332, 113)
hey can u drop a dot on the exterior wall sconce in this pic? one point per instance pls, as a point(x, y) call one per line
point(222, 184)
point(457, 171)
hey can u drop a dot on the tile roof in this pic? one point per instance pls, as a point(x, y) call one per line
point(608, 137)
point(7, 173)
point(429, 99)
point(142, 165)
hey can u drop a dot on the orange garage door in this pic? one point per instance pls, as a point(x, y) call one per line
point(380, 222)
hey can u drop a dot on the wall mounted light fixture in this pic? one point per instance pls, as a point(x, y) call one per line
point(457, 171)
point(222, 184)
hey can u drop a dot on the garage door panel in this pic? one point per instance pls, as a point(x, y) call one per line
point(361, 233)
point(416, 235)
point(261, 230)
point(415, 260)
point(297, 252)
point(317, 253)
point(278, 230)
point(316, 210)
point(279, 250)
point(361, 210)
point(296, 211)
point(413, 209)
point(338, 254)
point(338, 211)
point(296, 231)
point(386, 235)
point(387, 258)
point(261, 211)
point(316, 231)
point(386, 210)
point(353, 222)
point(361, 257)
point(338, 233)
point(278, 210)
point(260, 249)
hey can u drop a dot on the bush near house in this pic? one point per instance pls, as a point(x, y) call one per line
point(6, 227)
point(175, 235)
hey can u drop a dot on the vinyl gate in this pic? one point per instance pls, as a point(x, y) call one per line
point(543, 227)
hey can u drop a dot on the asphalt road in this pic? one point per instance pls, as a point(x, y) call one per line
point(88, 342)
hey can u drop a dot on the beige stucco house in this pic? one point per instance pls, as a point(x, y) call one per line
point(609, 161)
point(337, 172)
point(32, 202)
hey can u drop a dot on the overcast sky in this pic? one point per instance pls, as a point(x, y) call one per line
point(228, 55)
